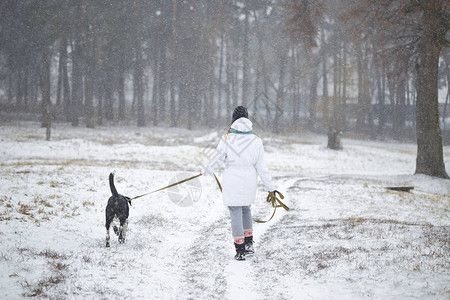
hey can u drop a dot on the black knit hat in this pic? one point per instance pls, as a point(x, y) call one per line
point(239, 112)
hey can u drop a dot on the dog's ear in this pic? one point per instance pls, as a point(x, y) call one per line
point(128, 199)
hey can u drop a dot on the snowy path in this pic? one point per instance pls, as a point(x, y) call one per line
point(345, 236)
point(243, 276)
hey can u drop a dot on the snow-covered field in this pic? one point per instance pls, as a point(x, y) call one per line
point(345, 237)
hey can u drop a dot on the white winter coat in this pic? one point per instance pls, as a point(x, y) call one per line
point(243, 156)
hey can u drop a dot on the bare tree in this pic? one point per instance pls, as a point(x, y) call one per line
point(416, 30)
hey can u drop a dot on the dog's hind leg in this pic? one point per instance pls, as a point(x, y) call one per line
point(122, 230)
point(125, 229)
point(107, 225)
point(107, 237)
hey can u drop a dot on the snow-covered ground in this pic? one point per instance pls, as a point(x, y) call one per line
point(345, 237)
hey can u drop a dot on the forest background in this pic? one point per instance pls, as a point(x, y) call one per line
point(369, 69)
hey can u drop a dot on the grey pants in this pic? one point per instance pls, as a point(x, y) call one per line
point(241, 218)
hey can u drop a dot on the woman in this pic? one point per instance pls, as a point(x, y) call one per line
point(242, 153)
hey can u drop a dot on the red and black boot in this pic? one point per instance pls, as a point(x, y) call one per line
point(248, 244)
point(240, 251)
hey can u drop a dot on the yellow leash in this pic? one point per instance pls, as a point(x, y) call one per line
point(272, 198)
point(218, 183)
point(169, 186)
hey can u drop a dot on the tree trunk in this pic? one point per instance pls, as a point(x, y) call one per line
point(45, 88)
point(155, 87)
point(173, 111)
point(325, 113)
point(367, 93)
point(430, 159)
point(173, 77)
point(121, 94)
point(121, 87)
point(245, 58)
point(334, 130)
point(19, 87)
point(235, 58)
point(190, 106)
point(26, 88)
point(343, 107)
point(108, 105)
point(401, 104)
point(263, 73)
point(139, 74)
point(10, 87)
point(209, 105)
point(173, 67)
point(77, 93)
point(280, 95)
point(219, 81)
point(380, 97)
point(360, 105)
point(312, 107)
point(393, 105)
point(295, 90)
point(134, 101)
point(101, 93)
point(162, 81)
point(89, 92)
point(35, 85)
point(65, 80)
point(229, 77)
point(89, 77)
point(77, 77)
point(59, 84)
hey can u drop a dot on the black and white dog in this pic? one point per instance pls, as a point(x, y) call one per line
point(117, 209)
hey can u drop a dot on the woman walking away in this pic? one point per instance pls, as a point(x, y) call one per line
point(242, 153)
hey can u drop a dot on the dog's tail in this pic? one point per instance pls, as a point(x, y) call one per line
point(111, 185)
